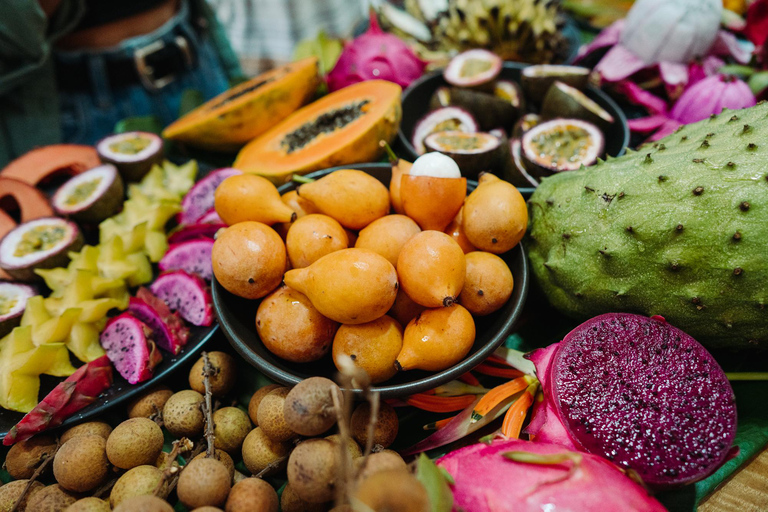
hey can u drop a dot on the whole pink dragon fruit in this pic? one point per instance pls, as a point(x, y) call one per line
point(375, 55)
point(521, 476)
point(640, 393)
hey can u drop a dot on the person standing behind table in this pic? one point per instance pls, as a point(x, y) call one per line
point(71, 69)
point(263, 33)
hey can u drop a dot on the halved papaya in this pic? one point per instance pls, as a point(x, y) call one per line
point(342, 128)
point(246, 111)
point(38, 165)
point(17, 197)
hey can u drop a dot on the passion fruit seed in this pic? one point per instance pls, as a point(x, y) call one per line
point(130, 146)
point(386, 428)
point(40, 238)
point(82, 192)
point(308, 409)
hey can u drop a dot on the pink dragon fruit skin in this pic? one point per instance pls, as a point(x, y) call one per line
point(187, 294)
point(199, 200)
point(639, 392)
point(193, 256)
point(375, 55)
point(194, 232)
point(169, 330)
point(129, 345)
point(485, 481)
point(710, 96)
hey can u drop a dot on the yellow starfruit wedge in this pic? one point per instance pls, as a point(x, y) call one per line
point(143, 273)
point(83, 341)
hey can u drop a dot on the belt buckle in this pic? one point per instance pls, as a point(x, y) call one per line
point(147, 72)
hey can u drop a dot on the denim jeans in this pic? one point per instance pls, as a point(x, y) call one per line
point(88, 116)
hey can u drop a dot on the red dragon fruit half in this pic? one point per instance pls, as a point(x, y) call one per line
point(640, 393)
point(521, 476)
point(192, 256)
point(199, 200)
point(187, 294)
point(168, 328)
point(129, 345)
point(375, 55)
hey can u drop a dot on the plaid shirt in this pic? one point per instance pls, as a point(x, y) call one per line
point(264, 32)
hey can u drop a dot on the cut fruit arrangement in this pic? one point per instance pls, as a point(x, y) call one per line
point(88, 282)
point(393, 291)
point(523, 131)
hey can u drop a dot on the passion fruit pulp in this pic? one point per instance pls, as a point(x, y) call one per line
point(442, 119)
point(561, 145)
point(133, 153)
point(13, 301)
point(473, 152)
point(91, 196)
point(473, 68)
point(37, 244)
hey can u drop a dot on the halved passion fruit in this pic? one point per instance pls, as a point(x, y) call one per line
point(536, 80)
point(524, 124)
point(519, 165)
point(441, 120)
point(473, 68)
point(91, 196)
point(473, 152)
point(39, 243)
point(561, 145)
point(565, 101)
point(511, 92)
point(489, 110)
point(13, 301)
point(133, 153)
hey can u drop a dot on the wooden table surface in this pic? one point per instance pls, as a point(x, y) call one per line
point(745, 491)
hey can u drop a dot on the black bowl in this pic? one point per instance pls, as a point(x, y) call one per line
point(416, 105)
point(236, 318)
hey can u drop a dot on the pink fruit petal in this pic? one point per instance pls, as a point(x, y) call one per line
point(609, 36)
point(666, 129)
point(647, 124)
point(726, 45)
point(618, 64)
point(640, 96)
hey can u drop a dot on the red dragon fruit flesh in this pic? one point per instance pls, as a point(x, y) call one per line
point(375, 55)
point(169, 330)
point(192, 256)
point(129, 345)
point(640, 393)
point(194, 232)
point(210, 217)
point(510, 475)
point(199, 200)
point(187, 294)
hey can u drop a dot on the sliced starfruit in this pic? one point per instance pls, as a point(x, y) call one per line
point(93, 310)
point(83, 341)
point(143, 268)
point(55, 329)
point(56, 279)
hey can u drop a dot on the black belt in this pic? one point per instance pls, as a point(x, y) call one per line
point(154, 66)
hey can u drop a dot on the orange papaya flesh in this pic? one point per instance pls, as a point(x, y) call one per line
point(344, 127)
point(432, 202)
point(24, 200)
point(228, 121)
point(42, 164)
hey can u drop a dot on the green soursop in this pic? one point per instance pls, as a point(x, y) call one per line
point(677, 229)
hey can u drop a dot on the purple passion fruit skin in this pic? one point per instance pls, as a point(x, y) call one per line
point(91, 196)
point(565, 101)
point(37, 244)
point(133, 153)
point(473, 68)
point(536, 80)
point(561, 145)
point(440, 120)
point(13, 300)
point(646, 396)
point(472, 152)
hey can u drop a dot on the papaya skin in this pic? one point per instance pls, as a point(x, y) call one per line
point(387, 235)
point(373, 346)
point(358, 141)
point(399, 169)
point(432, 202)
point(456, 231)
point(230, 125)
point(248, 197)
point(437, 339)
point(291, 328)
point(40, 164)
point(495, 216)
point(31, 202)
point(312, 237)
point(249, 259)
point(432, 268)
point(354, 198)
point(488, 285)
point(351, 286)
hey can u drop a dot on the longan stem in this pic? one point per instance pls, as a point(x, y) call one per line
point(178, 446)
point(207, 406)
point(107, 486)
point(272, 465)
point(45, 462)
point(342, 419)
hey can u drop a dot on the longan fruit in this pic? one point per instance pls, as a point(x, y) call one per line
point(51, 499)
point(183, 416)
point(231, 425)
point(138, 481)
point(98, 428)
point(89, 504)
point(143, 504)
point(223, 457)
point(11, 492)
point(393, 489)
point(259, 450)
point(387, 424)
point(271, 418)
point(135, 442)
point(203, 482)
point(308, 407)
point(150, 403)
point(253, 405)
point(379, 461)
point(24, 457)
point(352, 447)
point(252, 494)
point(291, 502)
point(224, 374)
point(81, 463)
point(312, 470)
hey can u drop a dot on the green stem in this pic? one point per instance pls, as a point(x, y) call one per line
point(747, 375)
point(301, 179)
point(390, 152)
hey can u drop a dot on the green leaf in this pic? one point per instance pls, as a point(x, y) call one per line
point(737, 69)
point(758, 82)
point(150, 124)
point(434, 481)
point(326, 49)
point(190, 100)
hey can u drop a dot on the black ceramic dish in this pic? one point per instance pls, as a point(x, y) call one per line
point(416, 104)
point(236, 317)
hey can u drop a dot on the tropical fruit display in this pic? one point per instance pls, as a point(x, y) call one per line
point(521, 130)
point(674, 229)
point(384, 289)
